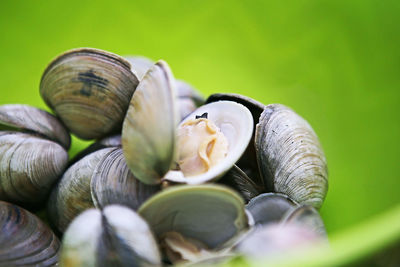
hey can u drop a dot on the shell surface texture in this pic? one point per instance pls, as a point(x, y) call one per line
point(290, 157)
point(24, 239)
point(89, 89)
point(33, 154)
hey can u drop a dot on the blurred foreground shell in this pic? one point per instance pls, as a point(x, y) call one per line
point(98, 179)
point(89, 89)
point(24, 239)
point(290, 156)
point(115, 236)
point(31, 160)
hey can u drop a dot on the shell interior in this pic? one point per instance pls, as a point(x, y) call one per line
point(236, 123)
point(211, 214)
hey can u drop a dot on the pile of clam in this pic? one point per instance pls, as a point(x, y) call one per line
point(172, 178)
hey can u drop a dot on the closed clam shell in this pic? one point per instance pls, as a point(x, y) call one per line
point(89, 89)
point(24, 239)
point(24, 118)
point(114, 236)
point(270, 208)
point(29, 166)
point(98, 179)
point(211, 214)
point(72, 194)
point(290, 156)
point(148, 133)
point(113, 183)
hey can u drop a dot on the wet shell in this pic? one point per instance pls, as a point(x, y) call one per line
point(90, 90)
point(290, 156)
point(29, 166)
point(24, 239)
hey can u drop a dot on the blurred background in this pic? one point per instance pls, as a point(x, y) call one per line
point(337, 63)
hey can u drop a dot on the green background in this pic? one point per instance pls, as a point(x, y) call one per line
point(337, 63)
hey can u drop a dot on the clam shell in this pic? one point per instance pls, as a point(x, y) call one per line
point(72, 194)
point(148, 134)
point(24, 118)
point(29, 166)
point(89, 89)
point(290, 156)
point(236, 123)
point(115, 236)
point(24, 239)
point(98, 179)
point(113, 183)
point(248, 162)
point(211, 214)
point(270, 208)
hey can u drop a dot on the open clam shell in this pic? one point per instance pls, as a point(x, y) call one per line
point(211, 214)
point(149, 129)
point(248, 162)
point(114, 183)
point(235, 123)
point(24, 239)
point(290, 156)
point(115, 236)
point(89, 89)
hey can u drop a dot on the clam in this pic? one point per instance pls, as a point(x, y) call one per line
point(89, 89)
point(98, 179)
point(248, 162)
point(114, 236)
point(33, 153)
point(195, 222)
point(205, 146)
point(290, 156)
point(24, 239)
